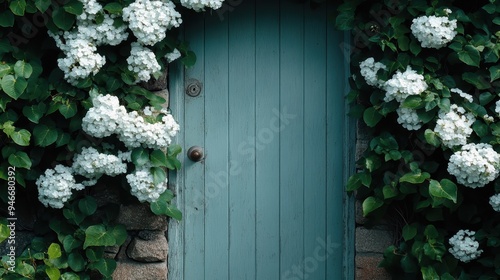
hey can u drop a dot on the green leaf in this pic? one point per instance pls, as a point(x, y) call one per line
point(6, 19)
point(18, 7)
point(409, 264)
point(432, 138)
point(485, 98)
point(345, 21)
point(74, 7)
point(494, 73)
point(470, 56)
point(113, 8)
point(63, 19)
point(158, 158)
point(87, 205)
point(389, 192)
point(94, 254)
point(480, 128)
point(476, 80)
point(434, 250)
point(190, 59)
point(42, 5)
point(68, 109)
point(159, 175)
point(415, 178)
point(54, 251)
point(97, 235)
point(20, 159)
point(76, 262)
point(52, 272)
point(412, 102)
point(120, 234)
point(105, 266)
point(409, 231)
point(371, 116)
point(4, 232)
point(70, 243)
point(23, 69)
point(5, 69)
point(44, 136)
point(139, 156)
point(371, 204)
point(21, 137)
point(34, 112)
point(13, 87)
point(429, 273)
point(444, 189)
point(163, 206)
point(70, 276)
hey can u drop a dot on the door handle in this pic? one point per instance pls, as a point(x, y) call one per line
point(195, 153)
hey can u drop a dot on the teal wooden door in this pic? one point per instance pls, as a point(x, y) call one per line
point(267, 201)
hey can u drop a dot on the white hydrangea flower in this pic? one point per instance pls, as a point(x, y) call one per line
point(81, 59)
point(403, 84)
point(149, 20)
point(142, 184)
point(200, 5)
point(55, 186)
point(488, 118)
point(475, 165)
point(454, 127)
point(172, 56)
point(92, 164)
point(433, 32)
point(80, 44)
point(408, 118)
point(495, 202)
point(464, 246)
point(142, 61)
point(464, 95)
point(103, 119)
point(369, 69)
point(107, 117)
point(497, 107)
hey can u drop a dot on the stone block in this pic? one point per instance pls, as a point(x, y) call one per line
point(154, 250)
point(142, 271)
point(367, 267)
point(140, 217)
point(372, 240)
point(122, 253)
point(157, 84)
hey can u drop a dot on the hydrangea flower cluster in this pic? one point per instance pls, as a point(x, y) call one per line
point(142, 61)
point(142, 184)
point(199, 5)
point(80, 44)
point(369, 69)
point(149, 20)
point(408, 118)
point(404, 84)
point(454, 127)
point(433, 32)
point(497, 107)
point(172, 56)
point(90, 163)
point(462, 94)
point(475, 165)
point(464, 246)
point(495, 202)
point(107, 118)
point(55, 186)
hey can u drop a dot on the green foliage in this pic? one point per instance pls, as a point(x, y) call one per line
point(403, 176)
point(41, 127)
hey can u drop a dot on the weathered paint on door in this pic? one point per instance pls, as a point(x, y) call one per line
point(267, 202)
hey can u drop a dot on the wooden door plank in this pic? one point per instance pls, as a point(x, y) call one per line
point(315, 144)
point(216, 149)
point(292, 137)
point(267, 134)
point(241, 133)
point(335, 162)
point(194, 196)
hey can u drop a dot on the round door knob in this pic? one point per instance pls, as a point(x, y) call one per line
point(195, 153)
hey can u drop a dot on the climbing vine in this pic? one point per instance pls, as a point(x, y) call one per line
point(425, 82)
point(79, 116)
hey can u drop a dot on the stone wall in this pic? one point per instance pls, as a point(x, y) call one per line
point(371, 242)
